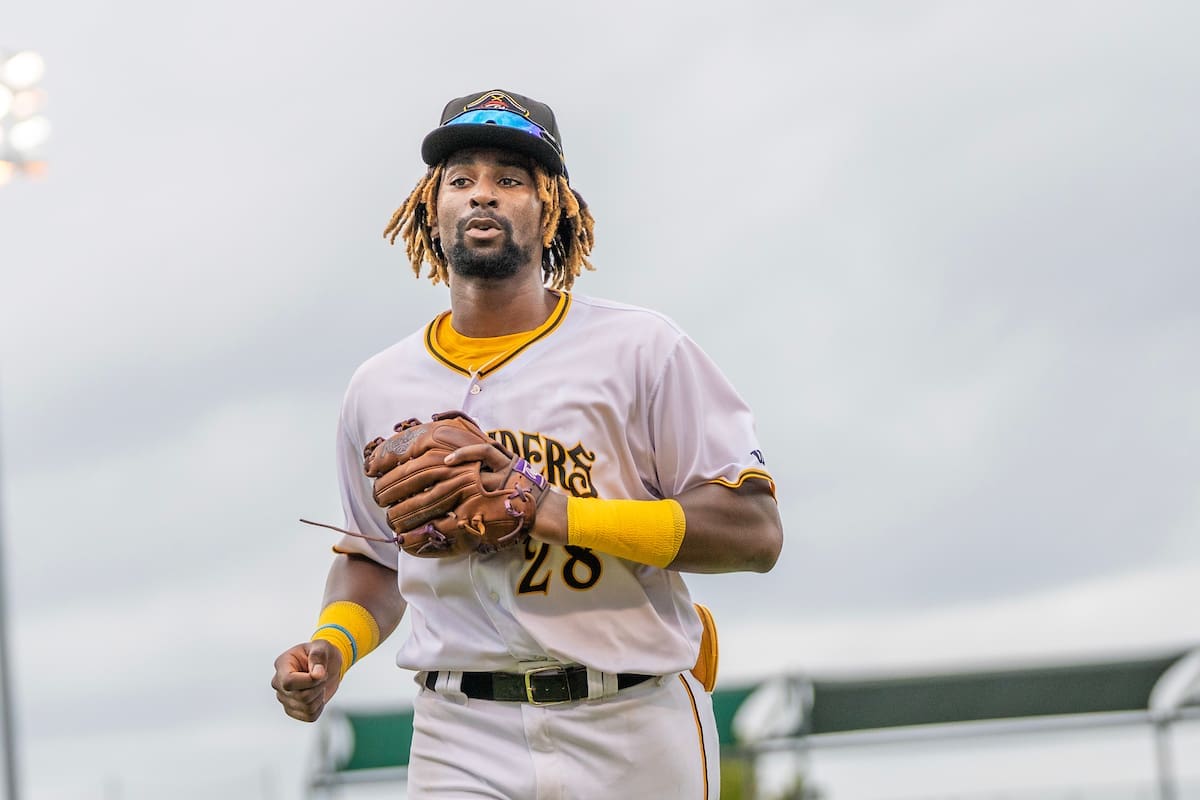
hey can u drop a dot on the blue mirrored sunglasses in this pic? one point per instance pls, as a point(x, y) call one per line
point(507, 119)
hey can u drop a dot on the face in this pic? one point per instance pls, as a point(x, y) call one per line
point(489, 217)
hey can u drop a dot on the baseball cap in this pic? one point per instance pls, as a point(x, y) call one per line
point(497, 118)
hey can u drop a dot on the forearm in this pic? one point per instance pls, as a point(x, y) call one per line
point(360, 580)
point(730, 530)
point(725, 530)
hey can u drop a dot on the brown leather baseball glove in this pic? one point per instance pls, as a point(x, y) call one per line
point(438, 510)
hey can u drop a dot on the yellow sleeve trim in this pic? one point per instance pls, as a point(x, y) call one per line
point(645, 531)
point(350, 628)
point(749, 474)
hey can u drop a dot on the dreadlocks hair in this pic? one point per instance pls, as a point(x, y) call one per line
point(568, 229)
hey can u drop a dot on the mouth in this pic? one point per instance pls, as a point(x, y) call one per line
point(483, 229)
point(483, 224)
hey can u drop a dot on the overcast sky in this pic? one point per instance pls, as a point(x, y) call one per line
point(941, 248)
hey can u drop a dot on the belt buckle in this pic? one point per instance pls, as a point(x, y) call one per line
point(529, 688)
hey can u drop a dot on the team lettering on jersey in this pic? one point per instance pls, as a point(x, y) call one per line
point(568, 468)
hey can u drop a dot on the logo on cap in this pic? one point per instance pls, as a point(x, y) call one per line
point(497, 101)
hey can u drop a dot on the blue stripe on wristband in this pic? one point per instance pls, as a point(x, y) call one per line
point(346, 633)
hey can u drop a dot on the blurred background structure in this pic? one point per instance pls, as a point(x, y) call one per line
point(769, 729)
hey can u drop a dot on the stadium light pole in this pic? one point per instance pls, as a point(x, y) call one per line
point(6, 697)
point(23, 130)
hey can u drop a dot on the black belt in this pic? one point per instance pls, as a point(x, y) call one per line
point(537, 686)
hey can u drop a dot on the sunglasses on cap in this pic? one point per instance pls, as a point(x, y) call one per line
point(506, 119)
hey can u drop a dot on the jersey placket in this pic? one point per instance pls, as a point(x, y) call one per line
point(493, 592)
point(474, 389)
point(494, 587)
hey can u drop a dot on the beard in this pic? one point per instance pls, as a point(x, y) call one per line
point(496, 265)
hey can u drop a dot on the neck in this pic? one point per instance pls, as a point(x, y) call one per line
point(483, 308)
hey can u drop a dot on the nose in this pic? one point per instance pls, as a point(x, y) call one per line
point(483, 194)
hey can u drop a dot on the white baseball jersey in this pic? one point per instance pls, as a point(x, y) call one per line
point(608, 400)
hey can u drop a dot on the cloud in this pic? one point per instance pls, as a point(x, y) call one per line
point(943, 252)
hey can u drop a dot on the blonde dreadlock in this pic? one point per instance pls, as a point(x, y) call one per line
point(568, 229)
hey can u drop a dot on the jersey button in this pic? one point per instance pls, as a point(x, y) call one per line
point(475, 388)
point(495, 597)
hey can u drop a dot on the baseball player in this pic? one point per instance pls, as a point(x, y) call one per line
point(563, 659)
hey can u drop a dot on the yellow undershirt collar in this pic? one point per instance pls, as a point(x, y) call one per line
point(482, 355)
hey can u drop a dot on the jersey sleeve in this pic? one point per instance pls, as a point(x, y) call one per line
point(701, 429)
point(361, 514)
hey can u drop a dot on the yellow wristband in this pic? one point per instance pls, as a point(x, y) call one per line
point(350, 628)
point(645, 531)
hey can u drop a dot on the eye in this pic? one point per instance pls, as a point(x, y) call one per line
point(457, 182)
